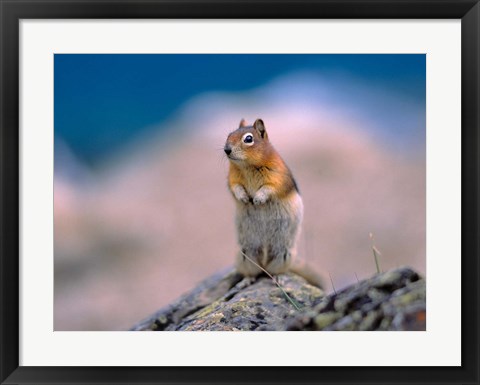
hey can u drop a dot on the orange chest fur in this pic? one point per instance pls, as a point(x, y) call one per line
point(253, 178)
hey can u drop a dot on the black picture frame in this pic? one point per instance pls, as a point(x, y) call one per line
point(13, 11)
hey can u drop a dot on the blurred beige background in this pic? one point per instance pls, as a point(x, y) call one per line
point(137, 231)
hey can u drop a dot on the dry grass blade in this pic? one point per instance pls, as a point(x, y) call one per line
point(376, 253)
point(331, 281)
point(295, 305)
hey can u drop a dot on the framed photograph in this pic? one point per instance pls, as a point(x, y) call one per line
point(236, 192)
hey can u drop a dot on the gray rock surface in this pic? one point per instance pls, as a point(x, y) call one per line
point(394, 300)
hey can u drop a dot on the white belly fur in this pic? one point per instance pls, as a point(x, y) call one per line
point(268, 233)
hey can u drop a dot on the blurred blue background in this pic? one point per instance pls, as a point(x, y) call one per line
point(103, 101)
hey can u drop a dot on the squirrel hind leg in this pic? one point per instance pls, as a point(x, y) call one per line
point(279, 263)
point(246, 267)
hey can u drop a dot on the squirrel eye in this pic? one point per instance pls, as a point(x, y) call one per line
point(248, 138)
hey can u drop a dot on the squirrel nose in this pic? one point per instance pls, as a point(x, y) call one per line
point(227, 150)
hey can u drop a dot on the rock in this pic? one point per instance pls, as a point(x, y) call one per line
point(204, 294)
point(394, 300)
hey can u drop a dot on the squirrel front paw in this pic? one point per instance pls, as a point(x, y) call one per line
point(260, 198)
point(244, 198)
point(241, 194)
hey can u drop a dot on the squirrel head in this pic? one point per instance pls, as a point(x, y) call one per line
point(248, 145)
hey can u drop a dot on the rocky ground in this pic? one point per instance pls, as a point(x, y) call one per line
point(394, 300)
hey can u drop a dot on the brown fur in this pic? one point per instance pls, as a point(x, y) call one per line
point(269, 208)
point(262, 166)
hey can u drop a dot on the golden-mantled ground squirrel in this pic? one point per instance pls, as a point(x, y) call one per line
point(269, 207)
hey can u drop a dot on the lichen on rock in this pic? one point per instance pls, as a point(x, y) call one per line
point(394, 300)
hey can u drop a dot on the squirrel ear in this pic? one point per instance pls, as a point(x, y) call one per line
point(243, 123)
point(260, 127)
